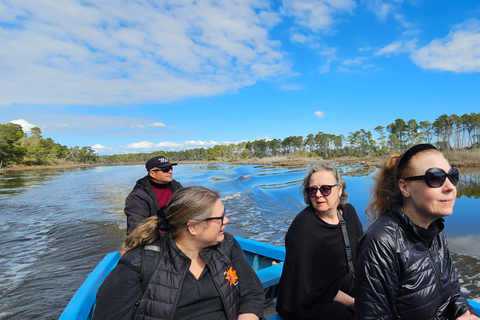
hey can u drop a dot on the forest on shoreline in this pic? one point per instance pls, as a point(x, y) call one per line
point(457, 136)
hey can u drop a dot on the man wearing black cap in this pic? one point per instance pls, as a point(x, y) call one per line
point(150, 192)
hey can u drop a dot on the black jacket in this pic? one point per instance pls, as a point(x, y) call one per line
point(120, 291)
point(315, 267)
point(399, 276)
point(142, 202)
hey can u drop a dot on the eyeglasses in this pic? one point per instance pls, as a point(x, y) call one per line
point(164, 169)
point(324, 190)
point(222, 218)
point(435, 177)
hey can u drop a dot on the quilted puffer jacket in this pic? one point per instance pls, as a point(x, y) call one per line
point(121, 290)
point(399, 276)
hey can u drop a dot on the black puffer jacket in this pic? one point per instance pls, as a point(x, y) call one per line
point(400, 277)
point(142, 202)
point(122, 289)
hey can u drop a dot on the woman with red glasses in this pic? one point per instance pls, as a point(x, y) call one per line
point(193, 270)
point(318, 274)
point(404, 269)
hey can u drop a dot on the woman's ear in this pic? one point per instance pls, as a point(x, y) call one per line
point(402, 185)
point(192, 227)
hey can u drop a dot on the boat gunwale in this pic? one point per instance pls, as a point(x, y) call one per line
point(81, 305)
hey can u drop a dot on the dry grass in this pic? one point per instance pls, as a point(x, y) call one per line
point(296, 161)
point(457, 158)
point(463, 158)
point(50, 167)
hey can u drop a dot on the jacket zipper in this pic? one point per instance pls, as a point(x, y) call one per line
point(178, 294)
point(220, 293)
point(436, 271)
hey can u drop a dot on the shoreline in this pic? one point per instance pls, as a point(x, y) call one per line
point(455, 159)
point(292, 162)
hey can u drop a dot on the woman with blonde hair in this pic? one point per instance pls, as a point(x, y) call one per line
point(199, 271)
point(404, 269)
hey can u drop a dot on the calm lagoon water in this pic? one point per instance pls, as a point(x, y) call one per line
point(57, 225)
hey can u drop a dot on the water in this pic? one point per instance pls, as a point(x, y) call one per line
point(56, 226)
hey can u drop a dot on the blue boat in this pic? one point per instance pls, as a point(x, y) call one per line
point(266, 260)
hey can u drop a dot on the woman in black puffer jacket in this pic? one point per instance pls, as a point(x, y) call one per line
point(199, 271)
point(404, 269)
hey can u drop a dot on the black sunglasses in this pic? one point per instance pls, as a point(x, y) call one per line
point(324, 190)
point(164, 169)
point(435, 177)
point(221, 218)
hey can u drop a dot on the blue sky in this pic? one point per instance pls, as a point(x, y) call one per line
point(142, 76)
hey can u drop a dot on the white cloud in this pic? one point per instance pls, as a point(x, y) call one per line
point(353, 62)
point(107, 53)
point(404, 22)
point(317, 15)
point(148, 146)
point(157, 125)
point(310, 41)
point(291, 86)
point(298, 38)
point(26, 126)
point(137, 126)
point(382, 8)
point(392, 48)
point(98, 147)
point(140, 145)
point(330, 55)
point(364, 49)
point(320, 114)
point(194, 143)
point(347, 70)
point(459, 51)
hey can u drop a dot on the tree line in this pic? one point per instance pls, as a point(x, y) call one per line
point(16, 147)
point(446, 132)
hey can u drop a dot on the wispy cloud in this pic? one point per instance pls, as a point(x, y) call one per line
point(317, 15)
point(382, 8)
point(353, 62)
point(291, 86)
point(103, 53)
point(330, 55)
point(137, 126)
point(392, 48)
point(459, 51)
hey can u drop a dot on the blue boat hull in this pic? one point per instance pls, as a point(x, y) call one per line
point(266, 260)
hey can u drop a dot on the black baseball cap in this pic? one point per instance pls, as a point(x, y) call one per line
point(158, 162)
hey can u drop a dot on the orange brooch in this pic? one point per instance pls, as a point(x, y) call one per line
point(231, 276)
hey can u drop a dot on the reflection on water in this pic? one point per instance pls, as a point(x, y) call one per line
point(465, 244)
point(468, 267)
point(57, 225)
point(469, 184)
